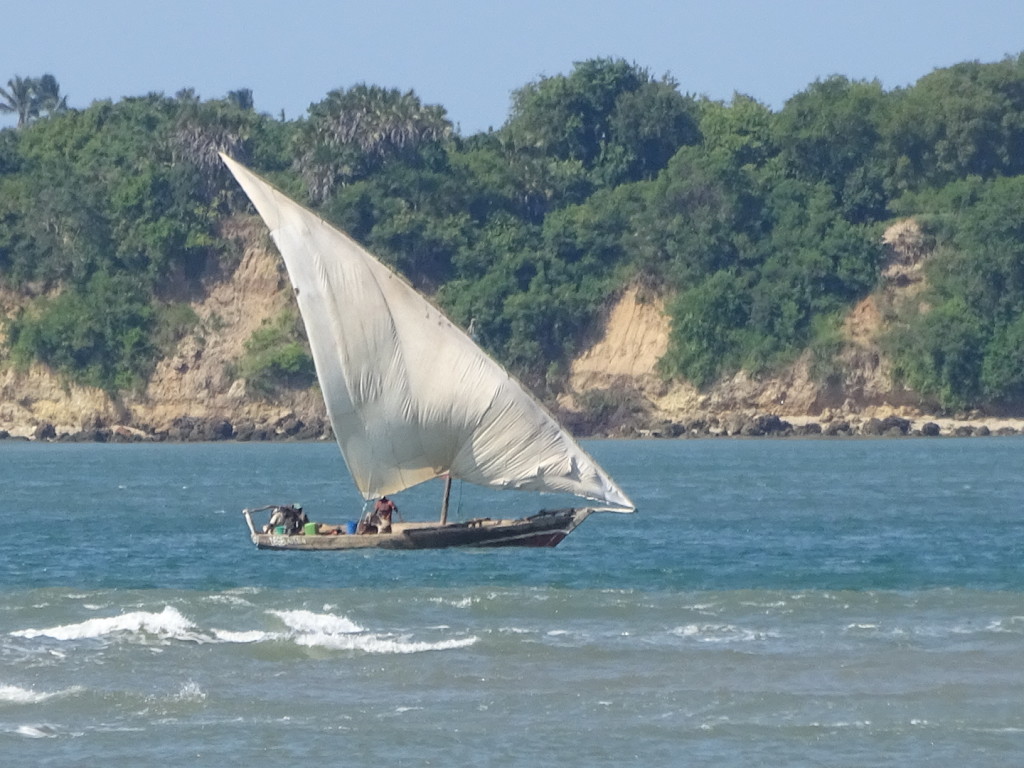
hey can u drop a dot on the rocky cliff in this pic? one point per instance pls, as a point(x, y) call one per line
point(859, 394)
point(191, 394)
point(613, 387)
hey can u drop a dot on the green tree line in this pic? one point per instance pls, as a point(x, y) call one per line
point(761, 226)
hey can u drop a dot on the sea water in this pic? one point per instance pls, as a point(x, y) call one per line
point(775, 602)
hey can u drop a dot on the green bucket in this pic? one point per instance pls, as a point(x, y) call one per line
point(309, 529)
point(279, 530)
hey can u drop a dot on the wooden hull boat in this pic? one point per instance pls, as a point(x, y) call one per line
point(545, 529)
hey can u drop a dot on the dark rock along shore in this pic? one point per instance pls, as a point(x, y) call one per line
point(191, 429)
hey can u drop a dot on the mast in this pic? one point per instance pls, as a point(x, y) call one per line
point(444, 501)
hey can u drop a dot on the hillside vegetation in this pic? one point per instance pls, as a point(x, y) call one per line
point(760, 229)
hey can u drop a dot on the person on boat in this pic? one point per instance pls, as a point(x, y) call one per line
point(379, 520)
point(290, 516)
point(326, 529)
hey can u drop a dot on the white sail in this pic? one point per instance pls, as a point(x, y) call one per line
point(409, 395)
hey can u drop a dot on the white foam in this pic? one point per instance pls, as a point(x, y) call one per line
point(169, 623)
point(36, 731)
point(770, 604)
point(250, 636)
point(317, 623)
point(228, 599)
point(12, 694)
point(191, 691)
point(720, 633)
point(339, 633)
point(463, 602)
point(1009, 624)
point(372, 643)
point(841, 724)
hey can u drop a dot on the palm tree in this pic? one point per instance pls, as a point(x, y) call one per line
point(201, 131)
point(350, 132)
point(47, 95)
point(19, 97)
point(242, 98)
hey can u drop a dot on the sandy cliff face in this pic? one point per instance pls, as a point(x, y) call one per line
point(195, 381)
point(860, 387)
point(627, 353)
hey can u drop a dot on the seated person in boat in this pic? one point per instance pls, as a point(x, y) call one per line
point(379, 521)
point(290, 516)
point(326, 529)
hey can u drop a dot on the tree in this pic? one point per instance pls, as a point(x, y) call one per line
point(352, 133)
point(242, 98)
point(608, 114)
point(832, 132)
point(97, 334)
point(706, 321)
point(29, 97)
point(742, 130)
point(569, 116)
point(940, 353)
point(1002, 373)
point(647, 126)
point(959, 121)
point(975, 294)
point(202, 131)
point(48, 97)
point(702, 215)
point(19, 98)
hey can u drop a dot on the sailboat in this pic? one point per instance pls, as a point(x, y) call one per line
point(412, 398)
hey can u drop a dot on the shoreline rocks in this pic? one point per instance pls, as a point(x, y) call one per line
point(185, 429)
point(191, 429)
point(771, 425)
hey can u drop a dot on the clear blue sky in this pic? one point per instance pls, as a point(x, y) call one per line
point(469, 55)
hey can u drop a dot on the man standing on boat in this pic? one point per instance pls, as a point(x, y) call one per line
point(380, 519)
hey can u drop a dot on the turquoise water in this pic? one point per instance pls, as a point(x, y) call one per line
point(790, 602)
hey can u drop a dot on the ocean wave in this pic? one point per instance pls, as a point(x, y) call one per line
point(227, 599)
point(245, 636)
point(339, 633)
point(12, 694)
point(462, 602)
point(720, 633)
point(935, 631)
point(318, 623)
point(36, 731)
point(374, 643)
point(190, 691)
point(1014, 624)
point(302, 627)
point(167, 624)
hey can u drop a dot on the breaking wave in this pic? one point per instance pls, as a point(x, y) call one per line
point(325, 630)
point(302, 627)
point(168, 624)
point(12, 694)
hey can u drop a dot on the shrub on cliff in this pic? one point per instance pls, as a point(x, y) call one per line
point(276, 356)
